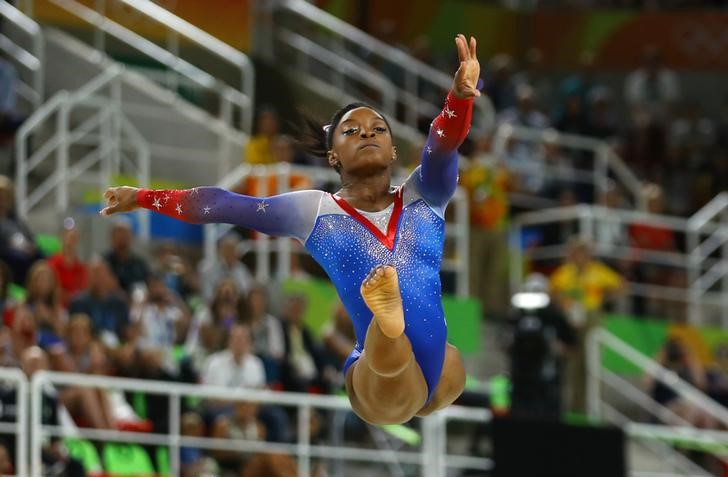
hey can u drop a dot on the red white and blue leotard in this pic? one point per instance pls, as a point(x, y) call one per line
point(348, 243)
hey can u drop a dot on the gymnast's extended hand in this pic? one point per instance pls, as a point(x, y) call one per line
point(120, 199)
point(465, 83)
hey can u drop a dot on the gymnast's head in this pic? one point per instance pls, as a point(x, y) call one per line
point(356, 142)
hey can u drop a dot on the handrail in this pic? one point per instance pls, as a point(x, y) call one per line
point(599, 337)
point(415, 71)
point(33, 60)
point(604, 156)
point(303, 402)
point(20, 427)
point(241, 96)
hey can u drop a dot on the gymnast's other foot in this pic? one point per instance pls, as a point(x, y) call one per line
point(380, 290)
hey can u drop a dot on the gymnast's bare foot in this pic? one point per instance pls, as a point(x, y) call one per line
point(380, 290)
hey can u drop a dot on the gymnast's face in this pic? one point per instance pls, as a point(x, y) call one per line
point(362, 142)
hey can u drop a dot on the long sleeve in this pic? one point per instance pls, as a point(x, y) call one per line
point(437, 176)
point(287, 215)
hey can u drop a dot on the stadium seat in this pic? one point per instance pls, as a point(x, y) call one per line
point(84, 451)
point(127, 460)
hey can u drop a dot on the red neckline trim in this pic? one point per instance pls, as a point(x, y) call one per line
point(386, 240)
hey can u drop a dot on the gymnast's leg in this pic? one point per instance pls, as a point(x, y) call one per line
point(385, 385)
point(451, 384)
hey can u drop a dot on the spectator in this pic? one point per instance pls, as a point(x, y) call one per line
point(267, 331)
point(581, 83)
point(226, 265)
point(17, 246)
point(338, 336)
point(270, 465)
point(23, 334)
point(6, 465)
point(71, 271)
point(162, 319)
point(259, 149)
point(104, 304)
point(500, 87)
point(238, 367)
point(678, 359)
point(193, 461)
point(652, 89)
point(303, 362)
point(79, 336)
point(129, 268)
point(535, 75)
point(43, 297)
point(602, 121)
point(573, 117)
point(177, 273)
point(525, 113)
point(487, 183)
point(211, 324)
point(243, 424)
point(10, 119)
point(581, 286)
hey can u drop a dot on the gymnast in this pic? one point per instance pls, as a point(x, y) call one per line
point(380, 245)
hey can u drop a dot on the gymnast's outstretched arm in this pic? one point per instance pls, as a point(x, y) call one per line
point(437, 176)
point(288, 215)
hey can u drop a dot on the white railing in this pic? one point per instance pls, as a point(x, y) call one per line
point(234, 100)
point(607, 166)
point(431, 457)
point(339, 53)
point(680, 429)
point(86, 118)
point(598, 224)
point(29, 58)
point(19, 429)
point(264, 246)
point(705, 242)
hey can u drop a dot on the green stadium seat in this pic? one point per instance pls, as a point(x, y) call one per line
point(127, 460)
point(85, 452)
point(163, 461)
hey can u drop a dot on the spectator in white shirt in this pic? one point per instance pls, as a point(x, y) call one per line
point(652, 90)
point(236, 366)
point(267, 331)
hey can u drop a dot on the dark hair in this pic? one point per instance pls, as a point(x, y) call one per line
point(314, 140)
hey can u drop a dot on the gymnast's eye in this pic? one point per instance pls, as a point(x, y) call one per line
point(350, 131)
point(380, 129)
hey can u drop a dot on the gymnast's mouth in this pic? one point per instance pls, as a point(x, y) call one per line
point(368, 144)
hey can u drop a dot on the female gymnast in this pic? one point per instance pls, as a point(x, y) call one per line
point(380, 245)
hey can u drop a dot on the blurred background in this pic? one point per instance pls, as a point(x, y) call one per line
point(585, 278)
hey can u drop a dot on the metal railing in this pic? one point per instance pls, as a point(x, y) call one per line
point(30, 58)
point(598, 225)
point(230, 96)
point(705, 242)
point(607, 166)
point(598, 341)
point(264, 246)
point(88, 119)
point(19, 429)
point(342, 55)
point(431, 457)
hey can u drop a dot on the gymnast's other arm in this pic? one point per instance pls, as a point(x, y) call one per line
point(287, 215)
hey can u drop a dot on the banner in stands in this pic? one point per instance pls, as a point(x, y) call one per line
point(689, 40)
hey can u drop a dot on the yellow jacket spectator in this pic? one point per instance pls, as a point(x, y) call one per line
point(259, 149)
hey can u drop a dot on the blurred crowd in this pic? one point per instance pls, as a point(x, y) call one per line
point(120, 314)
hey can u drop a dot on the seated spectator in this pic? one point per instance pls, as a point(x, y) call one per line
point(338, 336)
point(71, 272)
point(259, 148)
point(526, 112)
point(243, 424)
point(17, 246)
point(192, 459)
point(602, 122)
point(678, 359)
point(239, 367)
point(10, 118)
point(211, 324)
point(267, 331)
point(22, 335)
point(43, 297)
point(178, 274)
point(104, 303)
point(54, 455)
point(129, 268)
point(5, 280)
point(79, 337)
point(270, 465)
point(303, 363)
point(227, 265)
point(162, 319)
point(500, 86)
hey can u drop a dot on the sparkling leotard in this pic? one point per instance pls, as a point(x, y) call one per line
point(348, 243)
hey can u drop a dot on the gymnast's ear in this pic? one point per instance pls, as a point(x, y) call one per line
point(331, 157)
